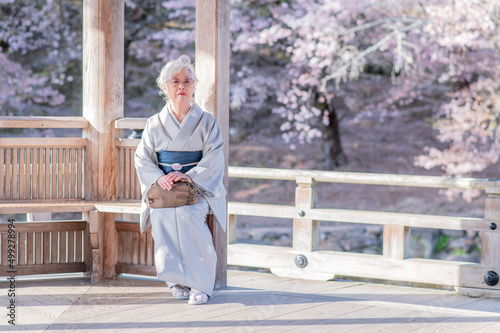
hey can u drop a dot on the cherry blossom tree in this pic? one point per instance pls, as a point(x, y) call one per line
point(467, 121)
point(452, 43)
point(295, 57)
point(38, 55)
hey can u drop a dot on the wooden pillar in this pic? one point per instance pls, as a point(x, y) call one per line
point(305, 231)
point(212, 91)
point(103, 61)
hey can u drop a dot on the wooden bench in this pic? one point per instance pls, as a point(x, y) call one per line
point(78, 246)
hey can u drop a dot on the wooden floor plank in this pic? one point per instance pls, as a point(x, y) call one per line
point(253, 302)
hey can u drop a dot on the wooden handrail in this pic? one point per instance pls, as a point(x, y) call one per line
point(361, 217)
point(43, 142)
point(363, 178)
point(43, 122)
point(130, 123)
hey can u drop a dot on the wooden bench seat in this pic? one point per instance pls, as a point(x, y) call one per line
point(45, 206)
point(59, 206)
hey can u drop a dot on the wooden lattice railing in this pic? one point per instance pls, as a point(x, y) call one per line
point(135, 253)
point(46, 247)
point(128, 183)
point(40, 176)
point(39, 167)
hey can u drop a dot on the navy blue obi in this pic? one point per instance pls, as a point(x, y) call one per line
point(181, 161)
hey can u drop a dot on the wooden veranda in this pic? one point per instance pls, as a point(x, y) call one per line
point(252, 302)
point(93, 175)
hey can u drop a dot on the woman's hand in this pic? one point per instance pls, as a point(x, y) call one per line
point(166, 182)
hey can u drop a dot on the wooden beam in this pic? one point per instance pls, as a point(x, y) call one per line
point(324, 265)
point(212, 91)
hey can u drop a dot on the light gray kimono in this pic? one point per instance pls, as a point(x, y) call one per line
point(184, 252)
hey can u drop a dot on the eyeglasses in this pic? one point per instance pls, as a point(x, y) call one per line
point(185, 83)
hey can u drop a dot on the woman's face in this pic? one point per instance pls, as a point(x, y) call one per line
point(180, 88)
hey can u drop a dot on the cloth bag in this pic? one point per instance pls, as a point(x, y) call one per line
point(181, 194)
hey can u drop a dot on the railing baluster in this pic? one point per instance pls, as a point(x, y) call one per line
point(54, 173)
point(54, 247)
point(79, 173)
point(30, 249)
point(67, 185)
point(46, 247)
point(126, 171)
point(232, 224)
point(21, 249)
point(142, 249)
point(305, 231)
point(47, 173)
point(78, 246)
point(8, 177)
point(4, 249)
point(396, 244)
point(15, 174)
point(130, 247)
point(150, 249)
point(490, 240)
point(71, 246)
point(22, 173)
point(29, 173)
point(63, 240)
point(38, 248)
point(41, 175)
point(3, 166)
point(122, 246)
point(135, 248)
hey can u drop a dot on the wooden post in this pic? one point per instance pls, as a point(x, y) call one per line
point(92, 253)
point(103, 51)
point(490, 240)
point(396, 242)
point(305, 231)
point(232, 222)
point(212, 91)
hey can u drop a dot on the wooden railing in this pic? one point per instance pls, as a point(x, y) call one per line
point(46, 247)
point(51, 170)
point(128, 183)
point(135, 250)
point(42, 168)
point(40, 176)
point(304, 260)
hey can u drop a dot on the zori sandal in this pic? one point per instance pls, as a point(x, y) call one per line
point(180, 292)
point(197, 297)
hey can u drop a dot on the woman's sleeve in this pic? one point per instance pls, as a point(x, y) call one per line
point(146, 161)
point(209, 172)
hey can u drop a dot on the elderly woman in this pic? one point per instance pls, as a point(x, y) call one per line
point(182, 143)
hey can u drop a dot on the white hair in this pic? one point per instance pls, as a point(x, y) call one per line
point(173, 67)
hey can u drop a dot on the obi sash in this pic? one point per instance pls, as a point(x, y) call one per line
point(181, 161)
